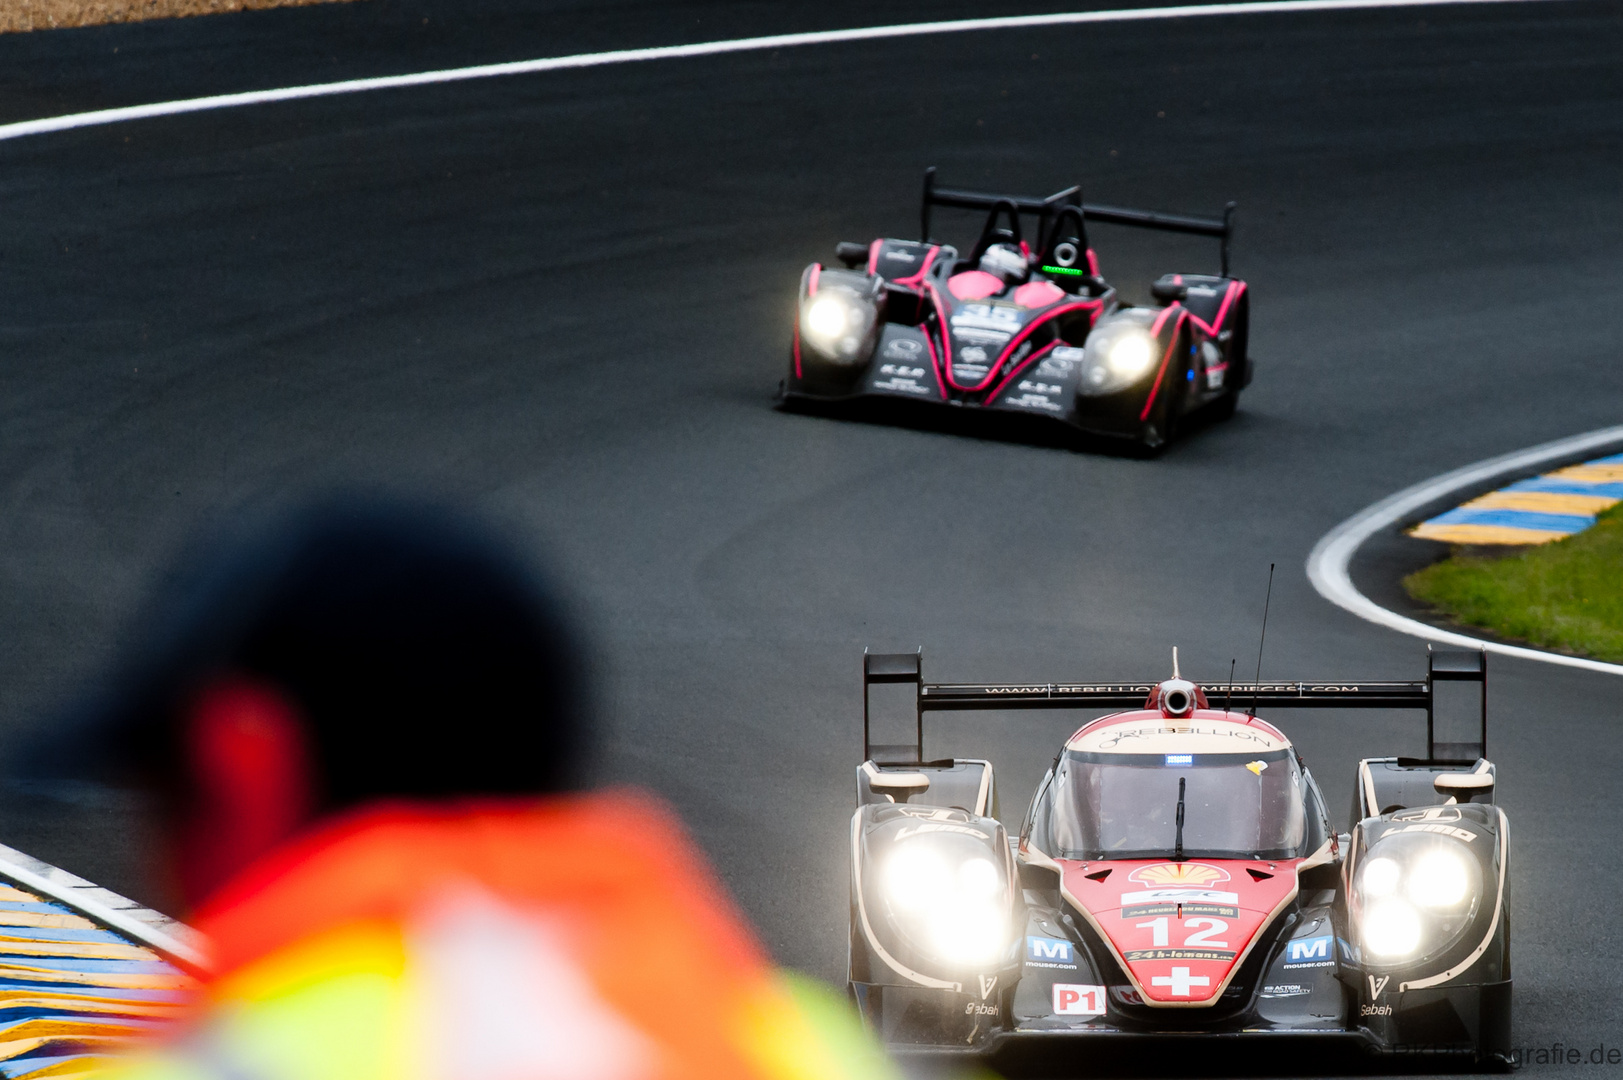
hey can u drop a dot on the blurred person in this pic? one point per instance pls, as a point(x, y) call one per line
point(367, 733)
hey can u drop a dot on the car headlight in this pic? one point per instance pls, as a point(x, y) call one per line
point(952, 904)
point(1116, 356)
point(1391, 929)
point(836, 323)
point(1413, 896)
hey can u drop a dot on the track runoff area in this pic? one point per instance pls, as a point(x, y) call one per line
point(61, 947)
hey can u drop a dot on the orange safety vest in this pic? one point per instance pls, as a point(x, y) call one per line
point(577, 938)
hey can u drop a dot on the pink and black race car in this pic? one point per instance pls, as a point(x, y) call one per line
point(1023, 326)
point(1177, 876)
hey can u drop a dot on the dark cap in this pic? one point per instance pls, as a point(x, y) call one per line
point(428, 658)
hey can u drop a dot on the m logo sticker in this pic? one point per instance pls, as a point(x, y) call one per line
point(1044, 950)
point(1310, 952)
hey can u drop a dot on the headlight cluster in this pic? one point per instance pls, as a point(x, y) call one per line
point(1414, 895)
point(952, 902)
point(1118, 355)
point(837, 322)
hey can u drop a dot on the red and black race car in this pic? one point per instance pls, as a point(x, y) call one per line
point(1023, 326)
point(1177, 876)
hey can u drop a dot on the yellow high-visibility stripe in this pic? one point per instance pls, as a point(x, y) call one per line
point(1483, 534)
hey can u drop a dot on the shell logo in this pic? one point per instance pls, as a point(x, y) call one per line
point(1175, 874)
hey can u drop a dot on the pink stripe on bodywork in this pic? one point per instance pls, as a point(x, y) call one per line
point(914, 280)
point(873, 257)
point(1234, 290)
point(811, 284)
point(1166, 358)
point(1014, 343)
point(1023, 365)
point(941, 314)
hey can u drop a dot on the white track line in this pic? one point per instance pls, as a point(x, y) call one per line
point(708, 48)
point(1327, 563)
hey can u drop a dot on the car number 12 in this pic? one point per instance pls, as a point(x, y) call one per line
point(1159, 930)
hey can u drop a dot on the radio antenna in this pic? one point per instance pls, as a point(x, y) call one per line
point(1228, 691)
point(1268, 599)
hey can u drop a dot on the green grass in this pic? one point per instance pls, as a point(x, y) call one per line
point(1565, 595)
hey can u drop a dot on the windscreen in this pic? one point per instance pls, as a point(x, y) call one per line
point(1125, 806)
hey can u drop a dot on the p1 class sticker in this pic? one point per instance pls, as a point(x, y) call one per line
point(1073, 1000)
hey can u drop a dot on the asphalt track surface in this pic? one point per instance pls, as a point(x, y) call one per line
point(565, 300)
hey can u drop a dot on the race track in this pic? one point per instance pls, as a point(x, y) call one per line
point(565, 299)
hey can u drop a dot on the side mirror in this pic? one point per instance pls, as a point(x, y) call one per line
point(852, 255)
point(1167, 291)
point(1463, 785)
point(900, 786)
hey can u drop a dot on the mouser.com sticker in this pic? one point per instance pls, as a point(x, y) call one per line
point(1072, 1000)
point(1050, 953)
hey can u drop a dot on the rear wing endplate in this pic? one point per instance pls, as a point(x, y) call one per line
point(1442, 665)
point(1222, 228)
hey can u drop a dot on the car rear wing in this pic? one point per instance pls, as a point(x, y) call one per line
point(1442, 665)
point(1222, 228)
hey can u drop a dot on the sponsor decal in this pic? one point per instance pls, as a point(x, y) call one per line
point(1055, 367)
point(988, 984)
point(972, 354)
point(901, 369)
point(1429, 813)
point(1179, 759)
point(1311, 952)
point(904, 348)
point(1180, 907)
point(1002, 319)
point(1256, 766)
point(905, 386)
point(1214, 378)
point(1377, 984)
point(902, 255)
point(1188, 899)
point(1033, 401)
point(1374, 1010)
point(1075, 1000)
point(1286, 990)
point(1135, 956)
point(975, 1008)
point(1442, 830)
point(1197, 875)
point(936, 827)
point(1125, 734)
point(1039, 387)
point(1049, 952)
point(1180, 982)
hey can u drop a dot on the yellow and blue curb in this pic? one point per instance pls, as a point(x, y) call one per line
point(1537, 511)
point(73, 993)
